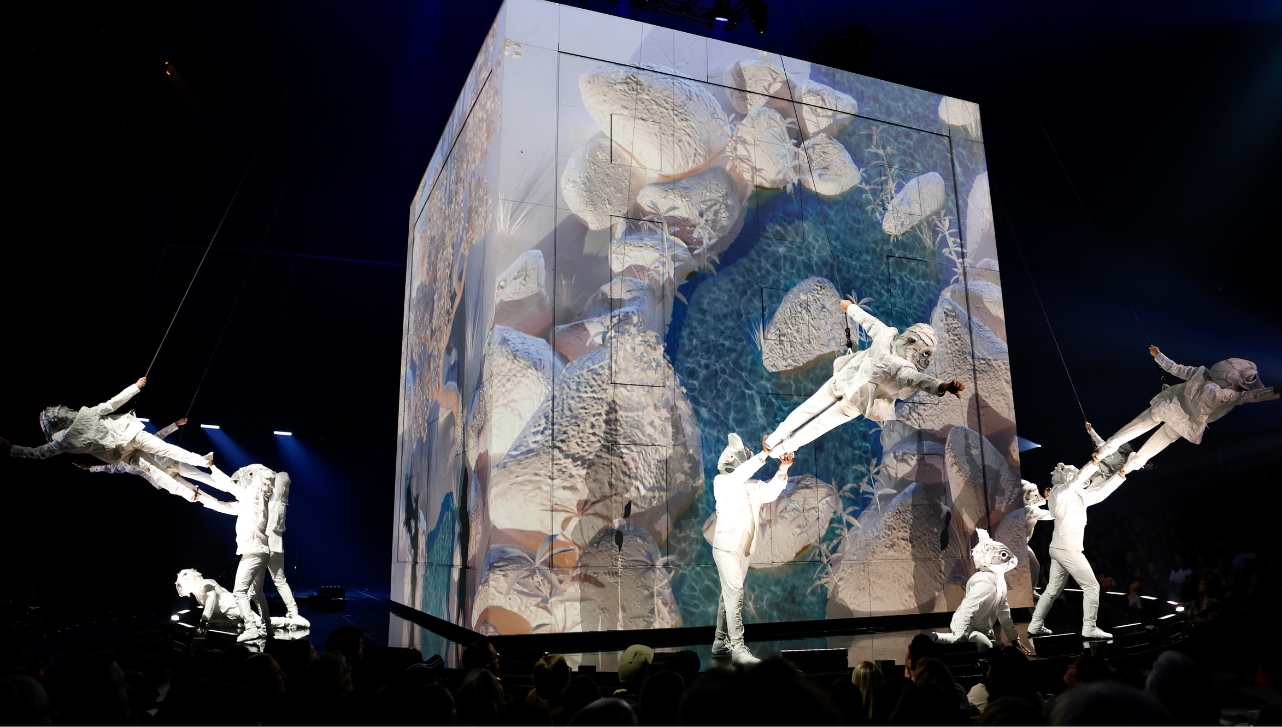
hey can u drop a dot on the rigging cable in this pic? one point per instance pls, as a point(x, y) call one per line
point(223, 219)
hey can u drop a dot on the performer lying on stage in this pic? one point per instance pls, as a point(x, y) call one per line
point(739, 502)
point(252, 486)
point(114, 439)
point(1068, 503)
point(219, 609)
point(985, 602)
point(1033, 514)
point(1185, 409)
point(864, 383)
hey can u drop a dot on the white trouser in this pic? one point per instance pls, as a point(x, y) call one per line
point(249, 579)
point(732, 568)
point(157, 447)
point(1065, 563)
point(1160, 440)
point(155, 472)
point(819, 414)
point(1034, 567)
point(276, 571)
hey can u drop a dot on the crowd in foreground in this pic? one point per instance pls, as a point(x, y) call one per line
point(296, 685)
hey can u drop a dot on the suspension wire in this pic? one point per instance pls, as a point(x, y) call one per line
point(1040, 304)
point(1161, 372)
point(245, 280)
point(223, 219)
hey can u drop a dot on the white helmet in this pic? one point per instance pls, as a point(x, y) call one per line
point(733, 455)
point(992, 555)
point(916, 345)
point(1235, 373)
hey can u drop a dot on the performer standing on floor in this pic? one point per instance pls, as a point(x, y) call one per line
point(1068, 503)
point(864, 383)
point(739, 502)
point(252, 486)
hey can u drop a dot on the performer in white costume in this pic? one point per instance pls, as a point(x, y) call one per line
point(1184, 410)
point(1033, 514)
point(739, 502)
point(1068, 503)
point(864, 383)
point(181, 472)
point(985, 602)
point(252, 488)
point(220, 610)
point(113, 438)
point(276, 558)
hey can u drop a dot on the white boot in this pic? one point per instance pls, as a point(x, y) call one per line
point(251, 633)
point(720, 647)
point(1037, 628)
point(1095, 632)
point(740, 656)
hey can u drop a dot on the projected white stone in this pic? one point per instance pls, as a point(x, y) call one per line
point(761, 153)
point(791, 524)
point(593, 187)
point(920, 198)
point(755, 83)
point(824, 110)
point(808, 324)
point(519, 370)
point(700, 209)
point(831, 170)
point(520, 296)
point(665, 123)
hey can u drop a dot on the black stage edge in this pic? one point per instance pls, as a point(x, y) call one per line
point(586, 641)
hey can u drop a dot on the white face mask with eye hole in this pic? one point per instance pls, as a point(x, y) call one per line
point(916, 345)
point(992, 555)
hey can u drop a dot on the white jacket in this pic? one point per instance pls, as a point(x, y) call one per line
point(250, 509)
point(985, 604)
point(1189, 407)
point(870, 381)
point(1068, 506)
point(124, 466)
point(739, 502)
point(96, 431)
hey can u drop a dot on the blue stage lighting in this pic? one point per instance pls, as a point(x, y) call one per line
point(283, 434)
point(721, 11)
point(143, 419)
point(210, 426)
point(1025, 445)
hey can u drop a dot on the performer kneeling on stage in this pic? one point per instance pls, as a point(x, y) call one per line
point(739, 502)
point(985, 602)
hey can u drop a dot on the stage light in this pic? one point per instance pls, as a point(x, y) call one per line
point(210, 426)
point(759, 13)
point(283, 434)
point(1179, 609)
point(721, 11)
point(174, 617)
point(167, 71)
point(143, 419)
point(1163, 618)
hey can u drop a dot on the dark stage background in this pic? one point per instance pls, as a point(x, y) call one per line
point(1164, 120)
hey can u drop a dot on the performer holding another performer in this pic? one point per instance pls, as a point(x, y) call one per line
point(739, 502)
point(865, 383)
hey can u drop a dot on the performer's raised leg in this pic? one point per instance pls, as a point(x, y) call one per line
point(831, 418)
point(815, 405)
point(1135, 428)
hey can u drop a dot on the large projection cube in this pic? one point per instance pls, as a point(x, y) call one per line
point(633, 241)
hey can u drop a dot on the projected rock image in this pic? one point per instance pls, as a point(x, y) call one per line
point(633, 241)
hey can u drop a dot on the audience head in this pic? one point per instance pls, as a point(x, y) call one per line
point(294, 657)
point(481, 654)
point(634, 666)
point(329, 675)
point(551, 677)
point(1107, 703)
point(89, 690)
point(932, 672)
point(350, 641)
point(262, 676)
point(661, 697)
point(583, 691)
point(479, 699)
point(925, 705)
point(433, 705)
point(1086, 669)
point(605, 712)
point(23, 701)
point(1184, 688)
point(921, 647)
point(1010, 674)
point(867, 676)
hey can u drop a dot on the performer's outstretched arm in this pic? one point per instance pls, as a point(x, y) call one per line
point(216, 505)
point(1095, 437)
point(865, 320)
point(743, 472)
point(44, 451)
point(1183, 372)
point(171, 428)
point(771, 490)
point(123, 397)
